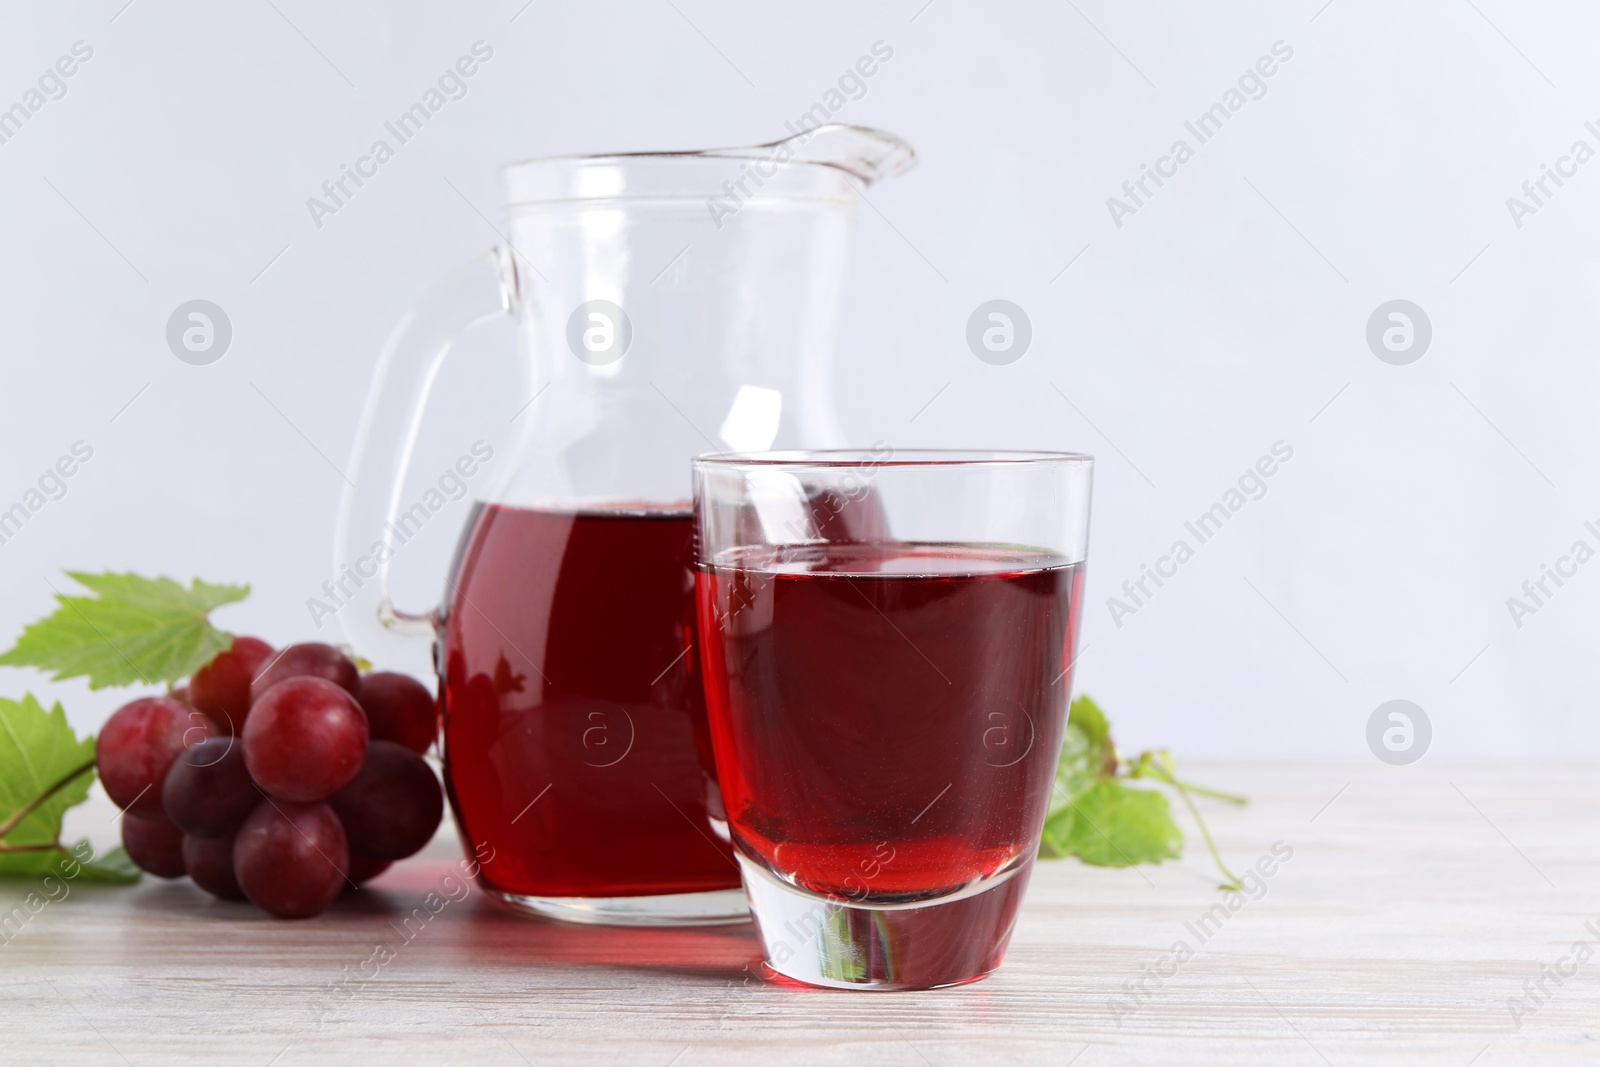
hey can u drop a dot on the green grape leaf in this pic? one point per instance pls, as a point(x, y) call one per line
point(38, 750)
point(1093, 814)
point(1114, 825)
point(1087, 757)
point(1086, 715)
point(113, 866)
point(78, 861)
point(134, 630)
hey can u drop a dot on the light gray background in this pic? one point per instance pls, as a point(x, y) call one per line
point(1229, 313)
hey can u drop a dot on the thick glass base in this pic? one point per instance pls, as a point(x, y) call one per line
point(713, 908)
point(840, 945)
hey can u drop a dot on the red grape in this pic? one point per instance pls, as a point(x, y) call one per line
point(309, 660)
point(304, 739)
point(391, 809)
point(221, 688)
point(291, 859)
point(181, 695)
point(208, 791)
point(154, 844)
point(138, 744)
point(364, 868)
point(209, 861)
point(399, 708)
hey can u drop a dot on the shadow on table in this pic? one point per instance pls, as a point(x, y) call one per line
point(494, 932)
point(427, 903)
point(488, 933)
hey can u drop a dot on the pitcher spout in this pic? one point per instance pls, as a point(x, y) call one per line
point(866, 154)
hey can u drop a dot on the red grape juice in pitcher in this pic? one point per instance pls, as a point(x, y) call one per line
point(574, 718)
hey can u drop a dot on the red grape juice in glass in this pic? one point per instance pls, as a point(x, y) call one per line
point(574, 719)
point(887, 718)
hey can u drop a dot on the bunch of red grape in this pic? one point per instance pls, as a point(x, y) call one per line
point(281, 777)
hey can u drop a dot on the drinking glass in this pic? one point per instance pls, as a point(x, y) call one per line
point(887, 644)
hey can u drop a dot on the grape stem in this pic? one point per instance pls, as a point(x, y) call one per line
point(54, 846)
point(1214, 794)
point(33, 805)
point(1159, 765)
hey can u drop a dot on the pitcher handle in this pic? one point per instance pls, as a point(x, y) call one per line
point(481, 290)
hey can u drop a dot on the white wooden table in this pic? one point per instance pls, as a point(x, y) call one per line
point(1417, 903)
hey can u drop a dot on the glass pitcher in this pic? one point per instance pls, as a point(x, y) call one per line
point(667, 304)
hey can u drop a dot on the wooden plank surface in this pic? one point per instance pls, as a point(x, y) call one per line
point(1416, 904)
